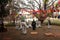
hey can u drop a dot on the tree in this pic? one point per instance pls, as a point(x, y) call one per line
point(3, 13)
point(42, 5)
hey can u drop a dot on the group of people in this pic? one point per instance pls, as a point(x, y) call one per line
point(22, 25)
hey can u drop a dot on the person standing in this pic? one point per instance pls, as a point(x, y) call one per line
point(23, 30)
point(49, 22)
point(33, 25)
point(17, 23)
point(23, 24)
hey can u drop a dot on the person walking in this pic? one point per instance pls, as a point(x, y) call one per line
point(33, 25)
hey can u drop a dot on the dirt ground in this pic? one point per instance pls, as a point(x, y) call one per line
point(42, 33)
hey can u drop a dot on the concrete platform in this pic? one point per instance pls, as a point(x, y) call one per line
point(49, 34)
point(34, 33)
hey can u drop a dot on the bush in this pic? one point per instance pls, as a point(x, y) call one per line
point(10, 24)
point(53, 21)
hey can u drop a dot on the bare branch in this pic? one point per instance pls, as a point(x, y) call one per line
point(37, 2)
point(51, 4)
point(23, 3)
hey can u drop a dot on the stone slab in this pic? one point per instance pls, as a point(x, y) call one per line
point(49, 34)
point(34, 33)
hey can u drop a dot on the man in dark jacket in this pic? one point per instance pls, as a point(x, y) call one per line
point(33, 25)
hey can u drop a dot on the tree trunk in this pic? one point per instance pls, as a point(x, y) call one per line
point(13, 22)
point(42, 22)
point(2, 29)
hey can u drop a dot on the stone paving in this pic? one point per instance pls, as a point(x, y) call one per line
point(39, 34)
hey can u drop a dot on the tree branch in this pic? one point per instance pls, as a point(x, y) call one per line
point(36, 2)
point(51, 4)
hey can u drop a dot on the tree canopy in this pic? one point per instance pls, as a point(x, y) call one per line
point(42, 5)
